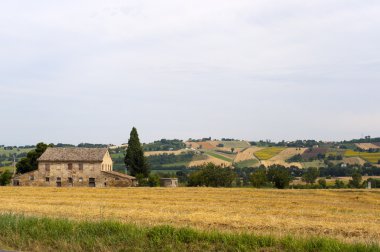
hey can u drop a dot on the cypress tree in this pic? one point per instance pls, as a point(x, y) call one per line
point(135, 160)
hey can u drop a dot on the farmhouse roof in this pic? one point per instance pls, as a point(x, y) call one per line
point(73, 154)
point(119, 174)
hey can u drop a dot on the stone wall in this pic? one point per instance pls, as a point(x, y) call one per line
point(71, 175)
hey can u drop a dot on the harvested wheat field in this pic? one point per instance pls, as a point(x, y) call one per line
point(354, 160)
point(200, 145)
point(348, 215)
point(367, 146)
point(246, 154)
point(280, 159)
point(209, 159)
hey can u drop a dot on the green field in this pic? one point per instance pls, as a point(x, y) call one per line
point(268, 153)
point(235, 144)
point(8, 160)
point(370, 157)
point(175, 164)
point(315, 164)
point(215, 155)
point(14, 151)
point(117, 155)
point(247, 163)
point(21, 233)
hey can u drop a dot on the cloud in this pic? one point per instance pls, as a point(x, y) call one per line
point(256, 69)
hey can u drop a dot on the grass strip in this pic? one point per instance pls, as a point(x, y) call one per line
point(47, 234)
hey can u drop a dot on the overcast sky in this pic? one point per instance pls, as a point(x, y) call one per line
point(87, 71)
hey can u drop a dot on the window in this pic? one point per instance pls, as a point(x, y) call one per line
point(70, 180)
point(59, 183)
point(80, 180)
point(70, 167)
point(47, 179)
point(91, 182)
point(47, 167)
point(31, 177)
point(81, 167)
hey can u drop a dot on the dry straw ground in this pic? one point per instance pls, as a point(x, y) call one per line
point(247, 154)
point(349, 215)
point(209, 159)
point(280, 159)
point(367, 146)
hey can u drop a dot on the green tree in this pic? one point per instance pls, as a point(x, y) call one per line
point(135, 160)
point(339, 183)
point(322, 182)
point(154, 180)
point(212, 175)
point(29, 163)
point(259, 178)
point(310, 175)
point(232, 149)
point(356, 181)
point(279, 176)
point(5, 178)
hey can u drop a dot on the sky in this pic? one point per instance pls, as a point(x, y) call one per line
point(88, 71)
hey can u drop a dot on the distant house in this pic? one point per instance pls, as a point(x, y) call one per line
point(169, 182)
point(74, 167)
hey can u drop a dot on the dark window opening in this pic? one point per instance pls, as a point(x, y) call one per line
point(31, 177)
point(47, 167)
point(70, 180)
point(70, 166)
point(91, 182)
point(105, 184)
point(47, 179)
point(16, 183)
point(81, 167)
point(59, 183)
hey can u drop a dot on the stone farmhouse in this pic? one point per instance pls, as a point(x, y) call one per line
point(75, 167)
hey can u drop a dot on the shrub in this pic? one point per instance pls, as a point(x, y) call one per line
point(322, 183)
point(5, 178)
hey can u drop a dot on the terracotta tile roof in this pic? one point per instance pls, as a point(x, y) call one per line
point(118, 174)
point(73, 154)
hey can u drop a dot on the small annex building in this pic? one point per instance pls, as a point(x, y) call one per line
point(75, 167)
point(169, 182)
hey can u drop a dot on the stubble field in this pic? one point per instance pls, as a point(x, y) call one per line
point(347, 215)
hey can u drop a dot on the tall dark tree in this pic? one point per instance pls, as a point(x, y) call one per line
point(29, 163)
point(135, 160)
